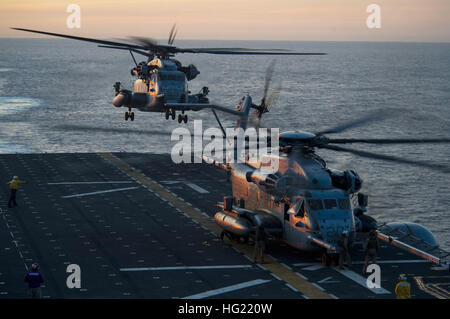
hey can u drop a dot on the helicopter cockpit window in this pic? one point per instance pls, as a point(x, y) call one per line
point(330, 203)
point(344, 203)
point(298, 208)
point(315, 204)
point(301, 210)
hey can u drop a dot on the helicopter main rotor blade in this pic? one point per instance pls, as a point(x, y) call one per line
point(266, 100)
point(388, 141)
point(389, 158)
point(267, 80)
point(242, 51)
point(173, 33)
point(104, 42)
point(372, 117)
point(274, 95)
point(239, 49)
point(150, 44)
point(127, 49)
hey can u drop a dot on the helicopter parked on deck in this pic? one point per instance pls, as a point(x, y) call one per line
point(304, 202)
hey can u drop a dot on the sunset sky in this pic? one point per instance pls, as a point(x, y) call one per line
point(316, 20)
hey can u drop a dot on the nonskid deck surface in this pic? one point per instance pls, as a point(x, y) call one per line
point(138, 239)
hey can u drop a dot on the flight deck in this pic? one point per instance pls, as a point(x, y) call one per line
point(139, 226)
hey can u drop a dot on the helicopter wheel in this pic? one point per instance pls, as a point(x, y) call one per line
point(185, 118)
point(132, 116)
point(173, 114)
point(167, 114)
point(180, 118)
point(234, 237)
point(335, 259)
point(326, 259)
point(126, 116)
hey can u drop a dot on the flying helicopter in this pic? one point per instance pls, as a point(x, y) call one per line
point(162, 81)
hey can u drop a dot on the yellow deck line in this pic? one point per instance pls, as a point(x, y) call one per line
point(303, 286)
point(432, 288)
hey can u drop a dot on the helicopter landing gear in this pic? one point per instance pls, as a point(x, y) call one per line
point(129, 115)
point(182, 118)
point(336, 259)
point(326, 259)
point(330, 259)
point(170, 113)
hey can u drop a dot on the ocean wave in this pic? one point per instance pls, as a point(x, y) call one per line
point(14, 104)
point(12, 149)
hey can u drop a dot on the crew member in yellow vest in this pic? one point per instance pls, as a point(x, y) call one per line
point(403, 288)
point(13, 188)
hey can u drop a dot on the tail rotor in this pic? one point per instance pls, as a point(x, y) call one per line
point(266, 100)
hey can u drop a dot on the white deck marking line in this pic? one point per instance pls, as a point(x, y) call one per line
point(328, 281)
point(304, 264)
point(285, 266)
point(227, 289)
point(361, 280)
point(100, 192)
point(276, 277)
point(398, 261)
point(292, 288)
point(186, 268)
point(318, 287)
point(13, 238)
point(88, 183)
point(405, 261)
point(261, 267)
point(248, 258)
point(197, 188)
point(301, 276)
point(313, 268)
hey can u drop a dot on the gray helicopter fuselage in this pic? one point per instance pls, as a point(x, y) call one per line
point(300, 195)
point(161, 83)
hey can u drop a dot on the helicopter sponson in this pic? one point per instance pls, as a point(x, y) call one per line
point(136, 99)
point(241, 222)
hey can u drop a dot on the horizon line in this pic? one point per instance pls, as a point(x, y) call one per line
point(254, 40)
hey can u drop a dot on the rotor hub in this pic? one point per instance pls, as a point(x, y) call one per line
point(297, 137)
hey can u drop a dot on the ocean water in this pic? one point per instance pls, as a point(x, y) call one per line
point(49, 84)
